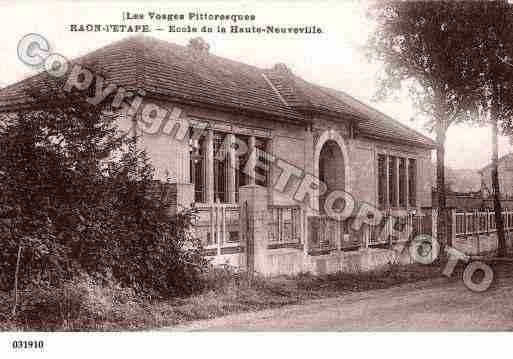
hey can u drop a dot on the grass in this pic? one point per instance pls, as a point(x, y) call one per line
point(227, 292)
point(280, 291)
point(340, 283)
point(289, 290)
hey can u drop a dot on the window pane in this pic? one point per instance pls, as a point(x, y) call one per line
point(197, 171)
point(412, 180)
point(220, 167)
point(262, 166)
point(242, 155)
point(382, 184)
point(402, 182)
point(392, 181)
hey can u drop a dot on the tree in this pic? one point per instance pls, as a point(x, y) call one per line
point(76, 208)
point(493, 48)
point(423, 46)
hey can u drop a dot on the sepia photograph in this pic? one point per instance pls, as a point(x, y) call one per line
point(274, 167)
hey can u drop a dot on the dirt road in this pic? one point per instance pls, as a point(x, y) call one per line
point(430, 305)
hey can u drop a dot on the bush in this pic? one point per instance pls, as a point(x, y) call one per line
point(223, 278)
point(81, 304)
point(79, 197)
point(232, 282)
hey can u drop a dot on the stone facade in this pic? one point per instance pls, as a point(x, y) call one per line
point(297, 146)
point(300, 143)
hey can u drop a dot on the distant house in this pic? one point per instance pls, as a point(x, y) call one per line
point(325, 133)
point(505, 169)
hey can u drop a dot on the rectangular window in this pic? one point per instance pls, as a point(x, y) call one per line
point(392, 181)
point(402, 182)
point(382, 181)
point(242, 155)
point(412, 180)
point(263, 163)
point(220, 168)
point(197, 166)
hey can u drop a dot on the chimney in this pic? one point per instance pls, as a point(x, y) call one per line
point(281, 67)
point(199, 45)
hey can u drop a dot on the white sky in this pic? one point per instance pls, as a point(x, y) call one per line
point(333, 59)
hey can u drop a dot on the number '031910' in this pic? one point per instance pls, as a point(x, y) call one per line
point(27, 344)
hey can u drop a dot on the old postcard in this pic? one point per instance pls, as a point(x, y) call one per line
point(333, 166)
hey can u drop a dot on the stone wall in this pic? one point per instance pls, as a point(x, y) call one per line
point(362, 260)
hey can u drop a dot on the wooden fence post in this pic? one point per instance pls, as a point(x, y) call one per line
point(339, 235)
point(453, 225)
point(250, 260)
point(476, 230)
point(212, 226)
point(304, 230)
point(434, 221)
point(217, 211)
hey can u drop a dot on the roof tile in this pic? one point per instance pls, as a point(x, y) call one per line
point(179, 72)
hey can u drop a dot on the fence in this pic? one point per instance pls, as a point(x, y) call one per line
point(327, 233)
point(391, 231)
point(474, 233)
point(479, 222)
point(217, 226)
point(285, 225)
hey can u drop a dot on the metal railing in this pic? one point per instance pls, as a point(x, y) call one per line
point(479, 222)
point(326, 233)
point(285, 224)
point(217, 225)
point(387, 231)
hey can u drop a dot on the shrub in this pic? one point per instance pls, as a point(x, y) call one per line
point(78, 196)
point(81, 304)
point(223, 278)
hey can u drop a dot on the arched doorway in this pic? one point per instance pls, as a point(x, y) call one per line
point(332, 170)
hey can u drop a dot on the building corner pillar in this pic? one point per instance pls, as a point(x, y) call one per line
point(232, 165)
point(209, 166)
point(252, 160)
point(254, 221)
point(309, 166)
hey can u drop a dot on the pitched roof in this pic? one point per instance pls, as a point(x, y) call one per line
point(379, 125)
point(506, 157)
point(183, 74)
point(304, 96)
